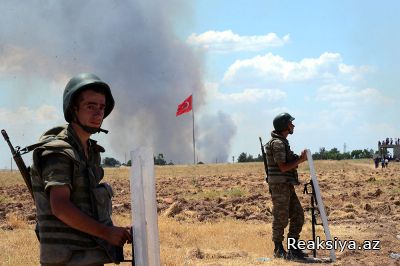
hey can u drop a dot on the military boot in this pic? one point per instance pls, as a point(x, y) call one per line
point(279, 251)
point(296, 253)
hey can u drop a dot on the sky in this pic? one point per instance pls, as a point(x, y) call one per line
point(333, 65)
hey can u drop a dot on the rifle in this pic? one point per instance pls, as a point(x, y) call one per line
point(314, 204)
point(264, 155)
point(16, 153)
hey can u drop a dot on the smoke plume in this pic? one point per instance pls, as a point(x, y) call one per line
point(132, 46)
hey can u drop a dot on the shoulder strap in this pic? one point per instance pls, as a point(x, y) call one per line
point(30, 148)
point(46, 137)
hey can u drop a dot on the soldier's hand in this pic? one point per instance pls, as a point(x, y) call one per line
point(118, 236)
point(303, 156)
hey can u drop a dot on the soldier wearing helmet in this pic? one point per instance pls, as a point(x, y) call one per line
point(282, 176)
point(73, 206)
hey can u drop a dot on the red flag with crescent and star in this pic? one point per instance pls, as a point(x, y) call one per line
point(185, 106)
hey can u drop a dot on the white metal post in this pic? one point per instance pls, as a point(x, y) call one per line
point(320, 203)
point(144, 208)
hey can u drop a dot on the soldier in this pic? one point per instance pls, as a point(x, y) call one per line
point(282, 176)
point(73, 207)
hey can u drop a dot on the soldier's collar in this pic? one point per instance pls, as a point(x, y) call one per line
point(276, 135)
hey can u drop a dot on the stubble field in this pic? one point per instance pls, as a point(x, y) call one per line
point(220, 214)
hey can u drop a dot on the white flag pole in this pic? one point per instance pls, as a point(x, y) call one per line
point(194, 145)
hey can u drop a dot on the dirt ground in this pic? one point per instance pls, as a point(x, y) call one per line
point(363, 203)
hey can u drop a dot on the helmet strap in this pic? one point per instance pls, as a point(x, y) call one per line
point(90, 130)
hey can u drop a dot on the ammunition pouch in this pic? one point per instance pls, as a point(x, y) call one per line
point(103, 194)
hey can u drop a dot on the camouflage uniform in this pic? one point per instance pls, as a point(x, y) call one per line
point(285, 203)
point(59, 162)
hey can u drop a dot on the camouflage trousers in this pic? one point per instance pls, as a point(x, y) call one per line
point(285, 206)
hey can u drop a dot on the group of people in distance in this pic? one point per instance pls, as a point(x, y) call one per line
point(383, 161)
point(389, 141)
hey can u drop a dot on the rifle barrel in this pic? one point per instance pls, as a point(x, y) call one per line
point(19, 162)
point(7, 139)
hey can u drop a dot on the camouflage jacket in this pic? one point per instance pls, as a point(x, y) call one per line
point(278, 151)
point(62, 161)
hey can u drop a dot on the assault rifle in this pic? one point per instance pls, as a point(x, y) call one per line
point(312, 209)
point(264, 155)
point(16, 153)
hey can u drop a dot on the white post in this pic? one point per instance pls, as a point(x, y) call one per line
point(320, 203)
point(144, 208)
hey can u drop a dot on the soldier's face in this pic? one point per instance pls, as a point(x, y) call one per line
point(90, 111)
point(291, 127)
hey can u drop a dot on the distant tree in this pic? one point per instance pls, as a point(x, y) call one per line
point(160, 160)
point(322, 152)
point(111, 162)
point(242, 157)
point(346, 156)
point(259, 158)
point(333, 154)
point(367, 153)
point(356, 154)
point(129, 163)
point(321, 155)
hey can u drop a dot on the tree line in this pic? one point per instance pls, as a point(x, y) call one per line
point(322, 154)
point(335, 154)
point(244, 158)
point(112, 162)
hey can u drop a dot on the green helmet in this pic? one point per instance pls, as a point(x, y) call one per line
point(281, 121)
point(82, 81)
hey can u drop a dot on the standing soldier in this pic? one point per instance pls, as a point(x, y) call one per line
point(73, 207)
point(282, 176)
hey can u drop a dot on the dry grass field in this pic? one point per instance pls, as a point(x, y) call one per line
point(220, 214)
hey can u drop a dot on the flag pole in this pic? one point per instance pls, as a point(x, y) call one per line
point(194, 145)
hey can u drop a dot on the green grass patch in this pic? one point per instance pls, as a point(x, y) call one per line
point(234, 192)
point(4, 200)
point(378, 181)
point(395, 191)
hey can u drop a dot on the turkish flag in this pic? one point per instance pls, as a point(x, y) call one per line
point(185, 106)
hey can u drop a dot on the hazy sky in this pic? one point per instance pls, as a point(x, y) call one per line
point(333, 65)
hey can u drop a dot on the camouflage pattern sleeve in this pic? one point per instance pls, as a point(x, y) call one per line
point(279, 151)
point(57, 170)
